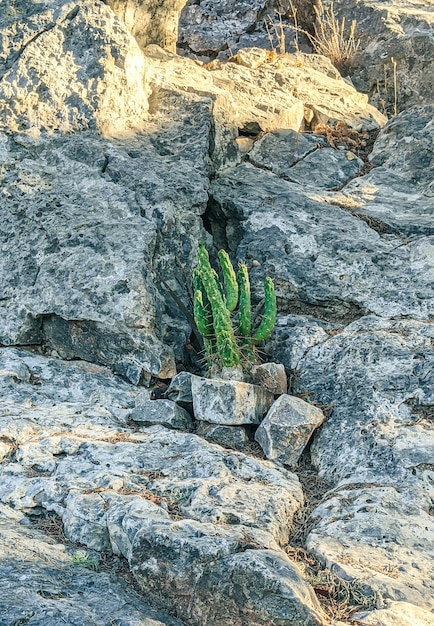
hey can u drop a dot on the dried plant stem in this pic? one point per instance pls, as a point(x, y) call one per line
point(331, 37)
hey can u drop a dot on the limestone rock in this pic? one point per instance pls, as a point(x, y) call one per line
point(80, 283)
point(286, 429)
point(229, 402)
point(104, 89)
point(229, 436)
point(271, 376)
point(163, 412)
point(145, 495)
point(179, 391)
point(210, 27)
point(376, 449)
point(213, 572)
point(298, 158)
point(150, 22)
point(289, 81)
point(323, 258)
point(398, 196)
point(280, 150)
point(401, 613)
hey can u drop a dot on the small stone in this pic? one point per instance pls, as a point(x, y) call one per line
point(232, 373)
point(179, 390)
point(229, 402)
point(251, 57)
point(271, 376)
point(162, 412)
point(245, 144)
point(287, 428)
point(232, 436)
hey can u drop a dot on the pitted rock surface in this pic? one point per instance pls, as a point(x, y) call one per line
point(376, 447)
point(68, 449)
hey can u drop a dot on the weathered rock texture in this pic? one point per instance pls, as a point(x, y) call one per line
point(376, 449)
point(107, 153)
point(105, 157)
point(282, 226)
point(39, 584)
point(229, 402)
point(150, 21)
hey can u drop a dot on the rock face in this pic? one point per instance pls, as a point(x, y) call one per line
point(401, 198)
point(105, 158)
point(376, 449)
point(150, 22)
point(116, 160)
point(207, 28)
point(282, 227)
point(94, 237)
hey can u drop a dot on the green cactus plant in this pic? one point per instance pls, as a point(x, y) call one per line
point(213, 305)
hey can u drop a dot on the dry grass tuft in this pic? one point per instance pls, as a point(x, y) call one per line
point(339, 598)
point(332, 38)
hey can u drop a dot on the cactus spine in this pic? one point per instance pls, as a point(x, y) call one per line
point(213, 306)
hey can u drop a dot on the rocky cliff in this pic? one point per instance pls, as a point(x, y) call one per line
point(117, 157)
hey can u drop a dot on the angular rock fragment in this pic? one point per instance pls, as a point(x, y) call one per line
point(163, 412)
point(179, 390)
point(229, 402)
point(231, 436)
point(284, 432)
point(271, 376)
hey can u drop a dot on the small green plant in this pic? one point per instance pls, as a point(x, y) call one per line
point(228, 334)
point(80, 558)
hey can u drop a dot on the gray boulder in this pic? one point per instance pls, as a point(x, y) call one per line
point(91, 220)
point(286, 429)
point(217, 583)
point(326, 260)
point(376, 450)
point(206, 28)
point(145, 495)
point(394, 30)
point(398, 192)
